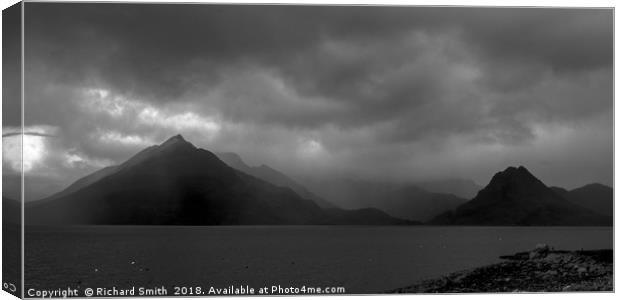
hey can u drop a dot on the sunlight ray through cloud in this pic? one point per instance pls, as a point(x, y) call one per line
point(311, 149)
point(101, 100)
point(143, 115)
point(113, 137)
point(34, 146)
point(75, 159)
point(180, 122)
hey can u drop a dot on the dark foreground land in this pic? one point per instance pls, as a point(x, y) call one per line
point(539, 270)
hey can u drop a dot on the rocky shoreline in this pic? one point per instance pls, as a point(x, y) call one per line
point(539, 270)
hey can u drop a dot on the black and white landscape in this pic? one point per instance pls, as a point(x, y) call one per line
point(364, 147)
point(176, 183)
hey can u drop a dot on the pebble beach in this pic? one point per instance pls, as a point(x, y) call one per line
point(542, 269)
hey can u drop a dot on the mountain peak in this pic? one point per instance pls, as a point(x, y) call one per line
point(175, 140)
point(516, 170)
point(520, 171)
point(517, 179)
point(516, 197)
point(176, 184)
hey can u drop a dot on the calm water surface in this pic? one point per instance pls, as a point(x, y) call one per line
point(363, 259)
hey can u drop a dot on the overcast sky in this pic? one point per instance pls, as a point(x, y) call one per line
point(386, 92)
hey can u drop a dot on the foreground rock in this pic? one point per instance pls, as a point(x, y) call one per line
point(540, 270)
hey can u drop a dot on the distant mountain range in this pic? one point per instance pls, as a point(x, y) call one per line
point(272, 176)
point(410, 201)
point(515, 197)
point(178, 184)
point(401, 200)
point(462, 188)
point(595, 196)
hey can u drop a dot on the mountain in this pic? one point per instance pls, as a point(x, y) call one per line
point(462, 188)
point(176, 183)
point(401, 200)
point(173, 183)
point(515, 197)
point(413, 203)
point(595, 196)
point(272, 176)
point(86, 181)
point(559, 190)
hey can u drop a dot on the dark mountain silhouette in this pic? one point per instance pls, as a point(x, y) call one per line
point(559, 190)
point(173, 183)
point(272, 176)
point(595, 196)
point(401, 200)
point(515, 197)
point(86, 181)
point(177, 183)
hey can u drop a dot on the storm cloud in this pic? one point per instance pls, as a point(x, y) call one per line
point(403, 93)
